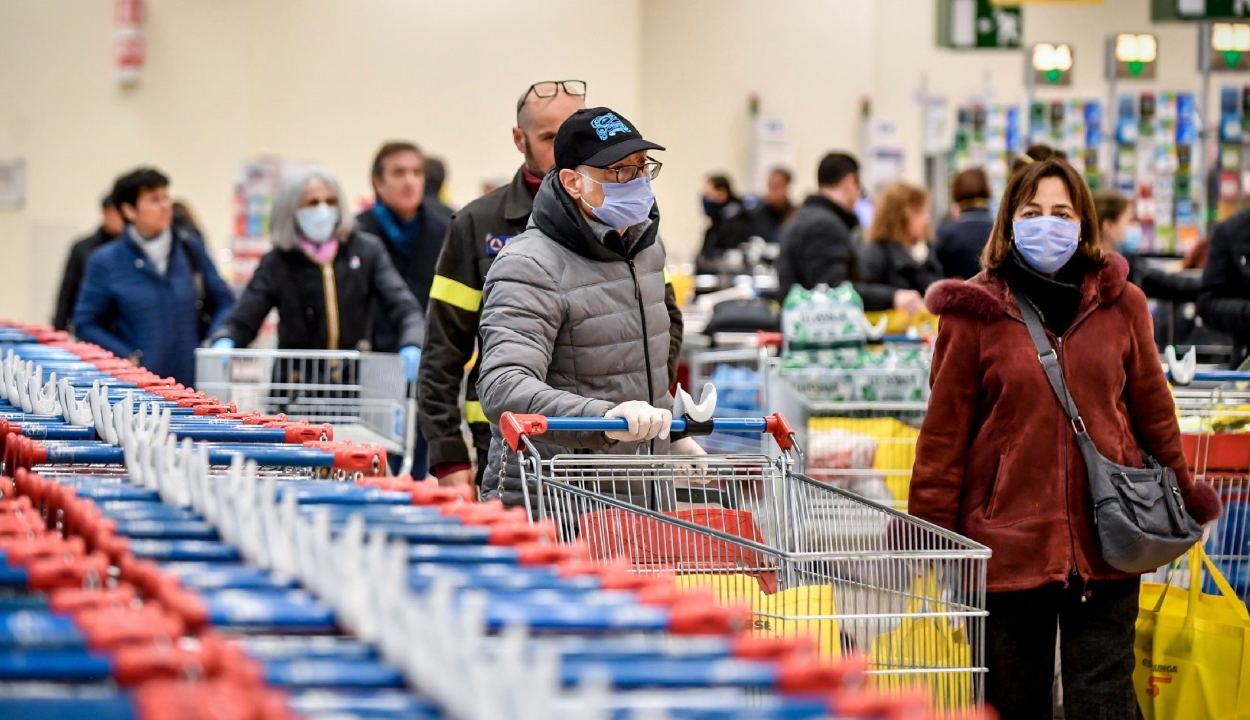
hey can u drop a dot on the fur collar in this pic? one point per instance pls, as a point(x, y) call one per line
point(988, 296)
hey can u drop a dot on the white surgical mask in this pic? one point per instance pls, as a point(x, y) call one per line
point(317, 223)
point(624, 204)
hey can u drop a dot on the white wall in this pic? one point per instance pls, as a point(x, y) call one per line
point(328, 80)
point(321, 80)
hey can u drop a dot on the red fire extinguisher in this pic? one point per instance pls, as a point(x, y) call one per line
point(129, 17)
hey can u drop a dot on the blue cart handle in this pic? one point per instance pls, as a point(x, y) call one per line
point(514, 426)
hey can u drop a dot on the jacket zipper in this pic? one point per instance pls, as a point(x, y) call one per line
point(646, 339)
point(330, 291)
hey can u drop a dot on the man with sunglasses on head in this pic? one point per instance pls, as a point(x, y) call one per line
point(476, 235)
point(575, 318)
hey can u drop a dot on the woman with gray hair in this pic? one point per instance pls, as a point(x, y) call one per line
point(324, 276)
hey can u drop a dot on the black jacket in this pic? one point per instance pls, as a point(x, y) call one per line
point(1224, 300)
point(476, 235)
point(889, 263)
point(816, 248)
point(730, 229)
point(960, 242)
point(768, 220)
point(360, 278)
point(416, 267)
point(71, 281)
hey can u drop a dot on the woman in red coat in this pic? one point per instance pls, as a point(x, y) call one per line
point(997, 458)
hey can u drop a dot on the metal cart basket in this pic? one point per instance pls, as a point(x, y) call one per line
point(808, 557)
point(364, 395)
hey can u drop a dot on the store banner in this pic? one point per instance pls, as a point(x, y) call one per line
point(978, 25)
point(1199, 10)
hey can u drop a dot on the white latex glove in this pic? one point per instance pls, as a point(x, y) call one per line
point(694, 473)
point(909, 301)
point(645, 422)
point(1206, 533)
point(686, 446)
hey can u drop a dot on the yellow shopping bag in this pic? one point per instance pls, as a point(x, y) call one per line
point(1193, 649)
point(896, 447)
point(934, 644)
point(898, 322)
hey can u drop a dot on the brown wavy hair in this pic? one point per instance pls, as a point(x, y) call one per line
point(889, 218)
point(1021, 189)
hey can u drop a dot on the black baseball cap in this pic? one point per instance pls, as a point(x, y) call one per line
point(597, 137)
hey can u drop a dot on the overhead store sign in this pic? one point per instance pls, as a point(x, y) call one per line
point(1198, 10)
point(978, 25)
point(1132, 56)
point(1015, 3)
point(1230, 47)
point(1052, 64)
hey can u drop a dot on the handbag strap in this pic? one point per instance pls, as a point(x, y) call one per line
point(1049, 359)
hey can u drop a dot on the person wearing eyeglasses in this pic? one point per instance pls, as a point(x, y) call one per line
point(574, 317)
point(477, 234)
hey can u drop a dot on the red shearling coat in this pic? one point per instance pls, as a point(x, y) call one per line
point(997, 459)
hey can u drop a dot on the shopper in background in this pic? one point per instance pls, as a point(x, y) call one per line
point(1224, 301)
point(186, 218)
point(997, 459)
point(817, 246)
point(1035, 153)
point(774, 208)
point(435, 180)
point(111, 225)
point(476, 235)
point(574, 320)
point(325, 277)
point(897, 249)
point(1119, 231)
point(961, 241)
point(731, 226)
point(155, 295)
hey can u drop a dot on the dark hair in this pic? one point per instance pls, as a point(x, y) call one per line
point(834, 167)
point(970, 185)
point(1022, 188)
point(1110, 205)
point(721, 182)
point(783, 172)
point(128, 187)
point(392, 148)
point(435, 175)
point(106, 202)
point(1035, 153)
point(184, 216)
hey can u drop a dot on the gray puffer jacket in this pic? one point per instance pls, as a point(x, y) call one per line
point(573, 324)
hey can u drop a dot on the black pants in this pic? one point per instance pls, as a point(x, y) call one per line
point(1096, 646)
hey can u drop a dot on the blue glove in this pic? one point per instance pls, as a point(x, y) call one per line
point(412, 361)
point(223, 344)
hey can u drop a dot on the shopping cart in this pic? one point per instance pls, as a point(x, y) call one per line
point(363, 395)
point(808, 557)
point(1214, 411)
point(859, 426)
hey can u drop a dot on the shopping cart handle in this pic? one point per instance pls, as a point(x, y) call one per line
point(514, 426)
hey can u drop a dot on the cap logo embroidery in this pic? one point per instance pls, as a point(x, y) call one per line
point(608, 125)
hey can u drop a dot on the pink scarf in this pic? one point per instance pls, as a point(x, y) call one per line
point(323, 253)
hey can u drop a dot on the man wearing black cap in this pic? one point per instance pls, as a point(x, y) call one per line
point(574, 318)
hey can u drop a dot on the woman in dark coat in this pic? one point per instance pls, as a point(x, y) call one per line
point(896, 251)
point(997, 458)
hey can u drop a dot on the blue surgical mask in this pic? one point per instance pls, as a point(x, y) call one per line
point(1132, 240)
point(711, 208)
point(624, 204)
point(1046, 242)
point(317, 223)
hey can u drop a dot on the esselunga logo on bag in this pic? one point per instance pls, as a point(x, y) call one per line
point(1158, 668)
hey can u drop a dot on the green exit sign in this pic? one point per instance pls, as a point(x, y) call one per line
point(1198, 10)
point(978, 25)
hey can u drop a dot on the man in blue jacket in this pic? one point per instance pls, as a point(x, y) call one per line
point(154, 296)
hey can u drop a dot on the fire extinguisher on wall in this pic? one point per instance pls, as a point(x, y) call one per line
point(129, 18)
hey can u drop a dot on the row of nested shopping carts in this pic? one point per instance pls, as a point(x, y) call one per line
point(165, 554)
point(860, 429)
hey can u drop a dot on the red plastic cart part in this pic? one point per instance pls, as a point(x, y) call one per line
point(699, 617)
point(52, 573)
point(27, 552)
point(484, 513)
point(364, 458)
point(513, 534)
point(781, 430)
point(210, 699)
point(108, 628)
point(755, 647)
point(75, 600)
point(302, 431)
point(514, 427)
point(871, 703)
point(769, 339)
point(546, 553)
point(200, 658)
